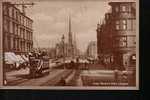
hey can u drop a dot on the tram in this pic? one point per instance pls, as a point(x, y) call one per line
point(39, 66)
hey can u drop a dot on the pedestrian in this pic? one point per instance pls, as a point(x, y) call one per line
point(77, 63)
point(116, 75)
point(72, 64)
point(62, 81)
point(85, 65)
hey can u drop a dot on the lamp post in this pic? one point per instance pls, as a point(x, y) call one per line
point(63, 44)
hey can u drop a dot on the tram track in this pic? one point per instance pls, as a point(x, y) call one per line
point(55, 80)
point(18, 81)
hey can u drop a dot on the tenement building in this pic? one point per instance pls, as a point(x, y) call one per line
point(116, 36)
point(17, 30)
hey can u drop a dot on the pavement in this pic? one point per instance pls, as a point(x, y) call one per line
point(102, 78)
point(13, 76)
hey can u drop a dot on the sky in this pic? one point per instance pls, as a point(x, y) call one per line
point(51, 21)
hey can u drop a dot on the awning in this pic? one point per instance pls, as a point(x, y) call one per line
point(10, 58)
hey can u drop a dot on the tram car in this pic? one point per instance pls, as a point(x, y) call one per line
point(39, 66)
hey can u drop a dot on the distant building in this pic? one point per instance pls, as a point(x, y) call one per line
point(116, 35)
point(60, 50)
point(92, 50)
point(69, 48)
point(17, 30)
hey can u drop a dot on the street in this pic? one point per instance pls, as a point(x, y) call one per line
point(95, 75)
point(21, 78)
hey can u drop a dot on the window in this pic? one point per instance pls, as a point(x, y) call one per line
point(11, 27)
point(117, 9)
point(117, 25)
point(122, 44)
point(10, 11)
point(16, 29)
point(5, 10)
point(20, 19)
point(123, 38)
point(131, 41)
point(124, 24)
point(121, 24)
point(123, 8)
point(16, 16)
point(14, 45)
point(129, 8)
point(124, 21)
point(13, 12)
point(23, 33)
point(121, 41)
point(133, 24)
point(5, 25)
point(9, 42)
point(134, 57)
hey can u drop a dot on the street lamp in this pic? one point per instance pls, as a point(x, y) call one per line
point(63, 42)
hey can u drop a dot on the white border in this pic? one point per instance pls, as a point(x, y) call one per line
point(87, 87)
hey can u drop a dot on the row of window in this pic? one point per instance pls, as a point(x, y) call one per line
point(12, 27)
point(125, 41)
point(120, 41)
point(126, 24)
point(123, 8)
point(16, 44)
point(16, 14)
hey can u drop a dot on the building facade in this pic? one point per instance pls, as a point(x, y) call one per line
point(116, 35)
point(92, 50)
point(17, 30)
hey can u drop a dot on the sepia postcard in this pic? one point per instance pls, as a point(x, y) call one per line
point(69, 44)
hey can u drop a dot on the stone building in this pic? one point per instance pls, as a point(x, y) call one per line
point(116, 36)
point(92, 50)
point(17, 30)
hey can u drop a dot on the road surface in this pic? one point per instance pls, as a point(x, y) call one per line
point(21, 78)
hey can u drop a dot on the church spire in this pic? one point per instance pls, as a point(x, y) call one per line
point(70, 39)
point(69, 24)
point(70, 31)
